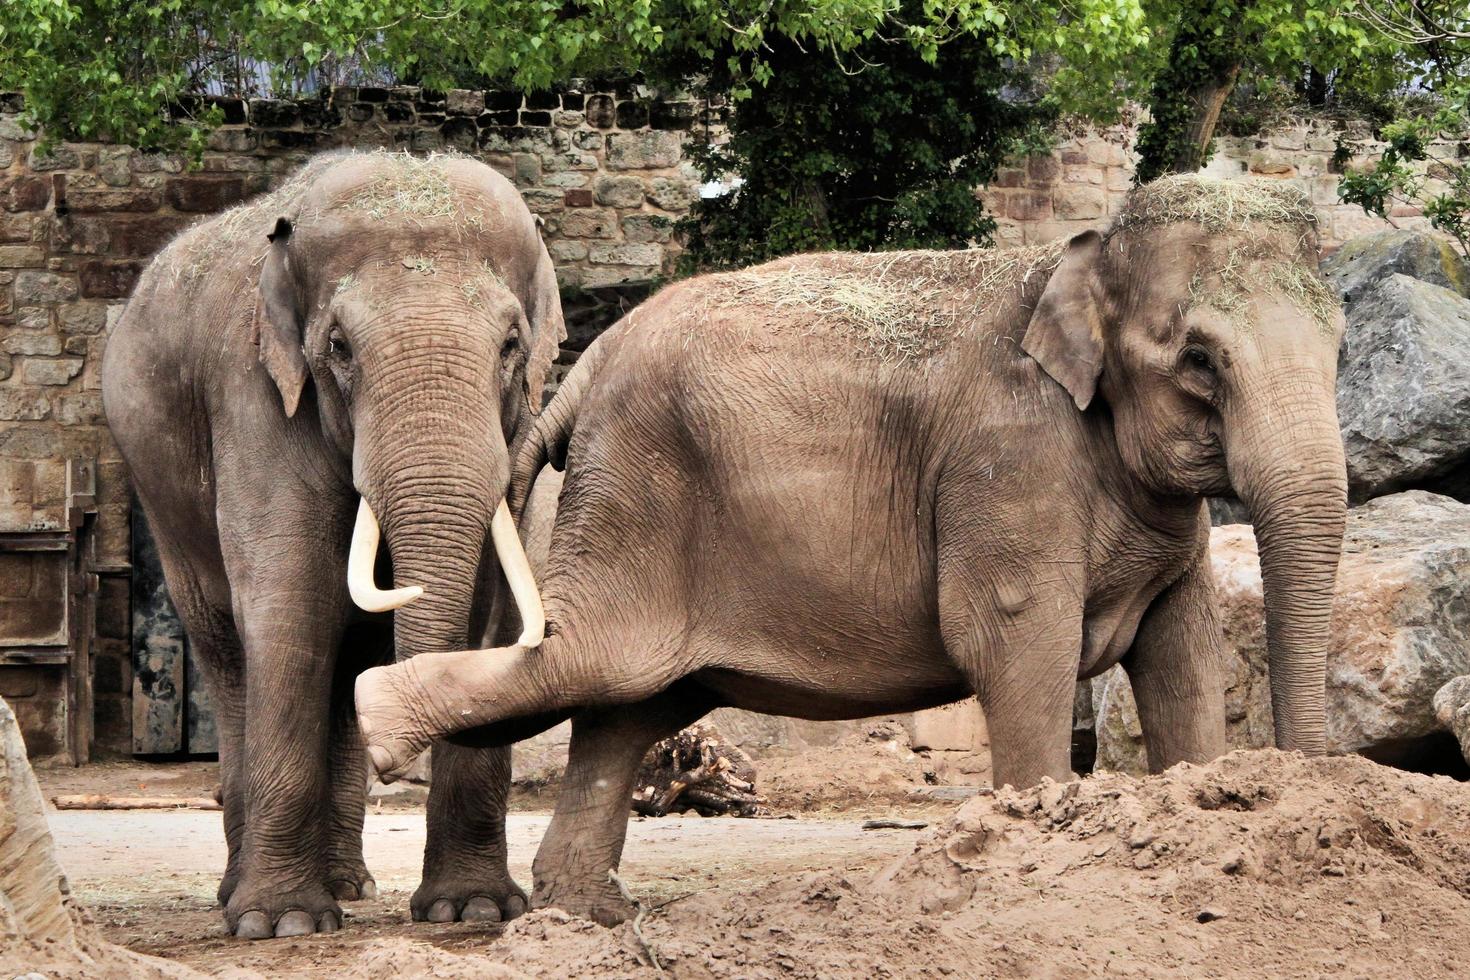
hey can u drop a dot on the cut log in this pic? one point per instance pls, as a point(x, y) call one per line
point(697, 769)
point(102, 801)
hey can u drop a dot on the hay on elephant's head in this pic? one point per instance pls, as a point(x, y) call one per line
point(1217, 205)
point(894, 306)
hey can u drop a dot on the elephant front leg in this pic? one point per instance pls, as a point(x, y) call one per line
point(1020, 645)
point(465, 873)
point(347, 875)
point(1175, 667)
point(290, 646)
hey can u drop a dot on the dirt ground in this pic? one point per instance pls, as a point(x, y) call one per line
point(1261, 864)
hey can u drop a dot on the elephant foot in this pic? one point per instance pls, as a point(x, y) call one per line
point(600, 901)
point(391, 718)
point(351, 883)
point(489, 898)
point(257, 913)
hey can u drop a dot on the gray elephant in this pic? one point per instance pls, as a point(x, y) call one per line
point(362, 345)
point(844, 485)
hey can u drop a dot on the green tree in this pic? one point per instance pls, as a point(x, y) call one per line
point(881, 148)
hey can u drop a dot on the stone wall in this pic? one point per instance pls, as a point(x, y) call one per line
point(600, 165)
point(1084, 182)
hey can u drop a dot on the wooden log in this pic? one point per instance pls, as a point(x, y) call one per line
point(103, 801)
point(696, 769)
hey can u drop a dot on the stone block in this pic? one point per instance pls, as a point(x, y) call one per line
point(643, 253)
point(83, 201)
point(1043, 170)
point(647, 150)
point(601, 111)
point(566, 178)
point(25, 193)
point(115, 165)
point(21, 257)
point(204, 194)
point(33, 318)
point(108, 280)
point(613, 192)
point(44, 287)
point(567, 119)
point(578, 198)
point(671, 193)
point(464, 102)
point(141, 236)
point(50, 370)
point(541, 201)
point(11, 129)
point(589, 223)
point(1079, 202)
point(526, 169)
point(18, 227)
point(32, 343)
point(1029, 205)
point(61, 156)
point(7, 366)
point(589, 140)
point(23, 406)
point(647, 228)
point(601, 276)
point(82, 408)
point(563, 252)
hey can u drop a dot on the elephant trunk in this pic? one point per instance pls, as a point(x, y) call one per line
point(1286, 463)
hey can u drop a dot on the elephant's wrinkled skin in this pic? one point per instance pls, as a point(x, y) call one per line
point(844, 485)
point(384, 342)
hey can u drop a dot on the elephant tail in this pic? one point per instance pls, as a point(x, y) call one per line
point(551, 431)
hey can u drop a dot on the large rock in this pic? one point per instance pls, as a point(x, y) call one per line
point(1363, 261)
point(1403, 394)
point(1452, 709)
point(43, 932)
point(35, 899)
point(1400, 632)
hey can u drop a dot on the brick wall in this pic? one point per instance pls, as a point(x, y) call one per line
point(601, 166)
point(1086, 179)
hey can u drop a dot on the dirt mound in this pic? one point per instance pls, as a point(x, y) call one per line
point(874, 766)
point(1262, 864)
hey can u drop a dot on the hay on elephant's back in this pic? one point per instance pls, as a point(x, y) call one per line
point(894, 306)
point(1218, 205)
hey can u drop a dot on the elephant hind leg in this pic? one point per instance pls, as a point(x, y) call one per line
point(402, 708)
point(587, 832)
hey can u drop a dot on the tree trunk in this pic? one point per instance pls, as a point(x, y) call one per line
point(1188, 95)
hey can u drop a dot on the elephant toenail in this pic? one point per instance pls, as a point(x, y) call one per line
point(515, 906)
point(253, 925)
point(296, 922)
point(441, 911)
point(343, 890)
point(480, 909)
point(328, 922)
point(368, 890)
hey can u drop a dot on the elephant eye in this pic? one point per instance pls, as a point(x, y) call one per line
point(1199, 358)
point(337, 345)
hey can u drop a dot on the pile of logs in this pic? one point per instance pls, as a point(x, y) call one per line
point(698, 770)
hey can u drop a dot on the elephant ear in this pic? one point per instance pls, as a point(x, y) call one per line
point(1065, 334)
point(279, 319)
point(547, 331)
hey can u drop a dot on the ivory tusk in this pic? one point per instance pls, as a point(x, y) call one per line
point(360, 562)
point(517, 569)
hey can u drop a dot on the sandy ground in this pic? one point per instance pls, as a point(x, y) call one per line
point(148, 877)
point(1261, 865)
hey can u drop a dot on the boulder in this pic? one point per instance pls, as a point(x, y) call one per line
point(1365, 260)
point(1452, 709)
point(43, 931)
point(1400, 633)
point(35, 899)
point(1403, 395)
